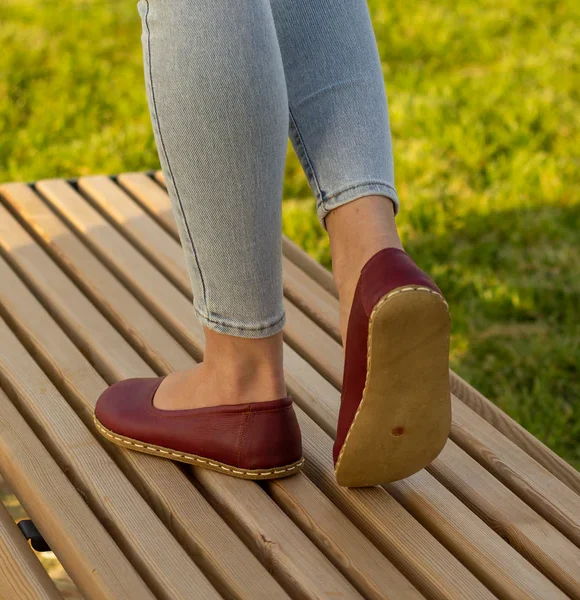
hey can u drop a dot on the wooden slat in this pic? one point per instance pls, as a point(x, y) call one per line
point(537, 540)
point(554, 500)
point(143, 231)
point(273, 536)
point(371, 573)
point(321, 570)
point(308, 265)
point(21, 574)
point(515, 432)
point(89, 555)
point(21, 250)
point(534, 550)
point(231, 567)
point(123, 260)
point(151, 197)
point(74, 258)
point(461, 583)
point(314, 344)
point(159, 559)
point(322, 280)
point(318, 304)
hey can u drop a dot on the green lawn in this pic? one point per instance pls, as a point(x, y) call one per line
point(485, 103)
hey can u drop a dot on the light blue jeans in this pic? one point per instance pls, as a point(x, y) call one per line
point(227, 82)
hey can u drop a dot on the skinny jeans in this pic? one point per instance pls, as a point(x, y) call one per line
point(227, 83)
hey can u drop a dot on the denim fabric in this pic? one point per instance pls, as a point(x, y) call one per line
point(227, 82)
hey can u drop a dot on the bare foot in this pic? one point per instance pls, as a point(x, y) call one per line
point(234, 371)
point(357, 231)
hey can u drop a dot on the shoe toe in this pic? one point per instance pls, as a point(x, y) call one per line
point(118, 405)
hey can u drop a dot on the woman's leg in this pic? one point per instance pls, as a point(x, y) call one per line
point(395, 410)
point(339, 127)
point(219, 107)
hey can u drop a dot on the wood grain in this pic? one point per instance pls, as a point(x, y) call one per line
point(537, 540)
point(125, 261)
point(121, 224)
point(338, 538)
point(515, 432)
point(21, 573)
point(550, 497)
point(74, 258)
point(303, 570)
point(87, 552)
point(159, 559)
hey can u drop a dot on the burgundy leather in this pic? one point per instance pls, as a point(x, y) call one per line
point(385, 271)
point(258, 435)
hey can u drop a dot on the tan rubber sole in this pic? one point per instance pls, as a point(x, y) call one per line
point(198, 461)
point(404, 418)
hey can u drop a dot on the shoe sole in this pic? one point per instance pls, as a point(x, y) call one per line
point(193, 459)
point(404, 418)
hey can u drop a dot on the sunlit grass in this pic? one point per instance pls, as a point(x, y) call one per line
point(484, 100)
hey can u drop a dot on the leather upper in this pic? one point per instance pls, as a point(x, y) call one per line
point(385, 271)
point(257, 435)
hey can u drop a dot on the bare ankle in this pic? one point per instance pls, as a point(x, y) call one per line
point(357, 231)
point(245, 367)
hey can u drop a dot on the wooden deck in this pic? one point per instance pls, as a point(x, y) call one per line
point(94, 289)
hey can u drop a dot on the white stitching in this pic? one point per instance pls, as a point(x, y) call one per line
point(377, 306)
point(199, 460)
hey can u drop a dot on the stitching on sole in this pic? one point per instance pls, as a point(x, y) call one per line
point(190, 457)
point(369, 343)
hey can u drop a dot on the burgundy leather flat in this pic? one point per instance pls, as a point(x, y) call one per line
point(259, 440)
point(395, 412)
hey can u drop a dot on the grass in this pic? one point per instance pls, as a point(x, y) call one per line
point(484, 102)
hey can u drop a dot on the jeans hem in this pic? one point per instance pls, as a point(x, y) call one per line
point(374, 188)
point(242, 330)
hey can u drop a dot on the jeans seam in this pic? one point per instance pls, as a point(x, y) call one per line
point(156, 112)
point(358, 185)
point(209, 319)
point(300, 141)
